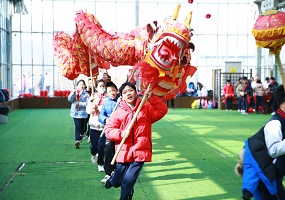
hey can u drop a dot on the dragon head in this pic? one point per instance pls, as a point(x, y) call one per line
point(170, 46)
point(167, 63)
point(171, 43)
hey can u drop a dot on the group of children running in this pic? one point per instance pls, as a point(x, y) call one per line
point(109, 113)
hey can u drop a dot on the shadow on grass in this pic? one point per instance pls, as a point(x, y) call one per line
point(194, 152)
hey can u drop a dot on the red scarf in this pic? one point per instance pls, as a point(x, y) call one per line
point(101, 97)
point(244, 87)
point(78, 93)
point(98, 101)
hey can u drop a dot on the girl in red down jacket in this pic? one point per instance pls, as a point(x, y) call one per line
point(137, 148)
point(229, 92)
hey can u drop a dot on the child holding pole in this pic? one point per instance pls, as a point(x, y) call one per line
point(108, 107)
point(93, 107)
point(137, 146)
point(79, 97)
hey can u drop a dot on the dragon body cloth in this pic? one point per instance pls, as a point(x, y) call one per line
point(160, 55)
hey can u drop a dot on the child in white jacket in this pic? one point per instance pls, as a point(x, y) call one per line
point(96, 127)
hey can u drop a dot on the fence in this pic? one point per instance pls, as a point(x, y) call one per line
point(219, 80)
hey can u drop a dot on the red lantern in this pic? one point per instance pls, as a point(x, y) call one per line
point(269, 30)
point(208, 16)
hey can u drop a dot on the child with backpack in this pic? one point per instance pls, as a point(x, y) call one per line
point(262, 161)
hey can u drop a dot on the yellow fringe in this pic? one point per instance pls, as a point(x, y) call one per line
point(271, 44)
point(269, 32)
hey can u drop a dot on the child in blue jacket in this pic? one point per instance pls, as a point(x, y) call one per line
point(105, 112)
point(79, 98)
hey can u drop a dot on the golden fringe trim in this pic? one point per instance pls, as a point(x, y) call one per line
point(270, 43)
point(269, 32)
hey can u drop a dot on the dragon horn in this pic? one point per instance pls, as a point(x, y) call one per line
point(176, 12)
point(187, 21)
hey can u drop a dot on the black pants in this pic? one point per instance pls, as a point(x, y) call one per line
point(79, 128)
point(280, 171)
point(252, 103)
point(126, 175)
point(259, 101)
point(265, 195)
point(97, 144)
point(245, 103)
point(109, 154)
point(229, 103)
point(273, 104)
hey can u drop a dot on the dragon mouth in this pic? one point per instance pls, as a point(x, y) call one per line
point(169, 50)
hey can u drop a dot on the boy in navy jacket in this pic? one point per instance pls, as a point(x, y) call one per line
point(264, 157)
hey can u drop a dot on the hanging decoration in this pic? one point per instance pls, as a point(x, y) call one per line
point(269, 32)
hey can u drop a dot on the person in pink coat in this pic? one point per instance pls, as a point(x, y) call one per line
point(137, 148)
point(229, 92)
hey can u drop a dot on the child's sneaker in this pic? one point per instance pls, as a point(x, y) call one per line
point(101, 168)
point(77, 144)
point(94, 158)
point(105, 179)
point(108, 183)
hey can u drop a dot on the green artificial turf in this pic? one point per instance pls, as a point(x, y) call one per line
point(194, 154)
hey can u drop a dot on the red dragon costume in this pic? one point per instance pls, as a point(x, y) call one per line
point(160, 54)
